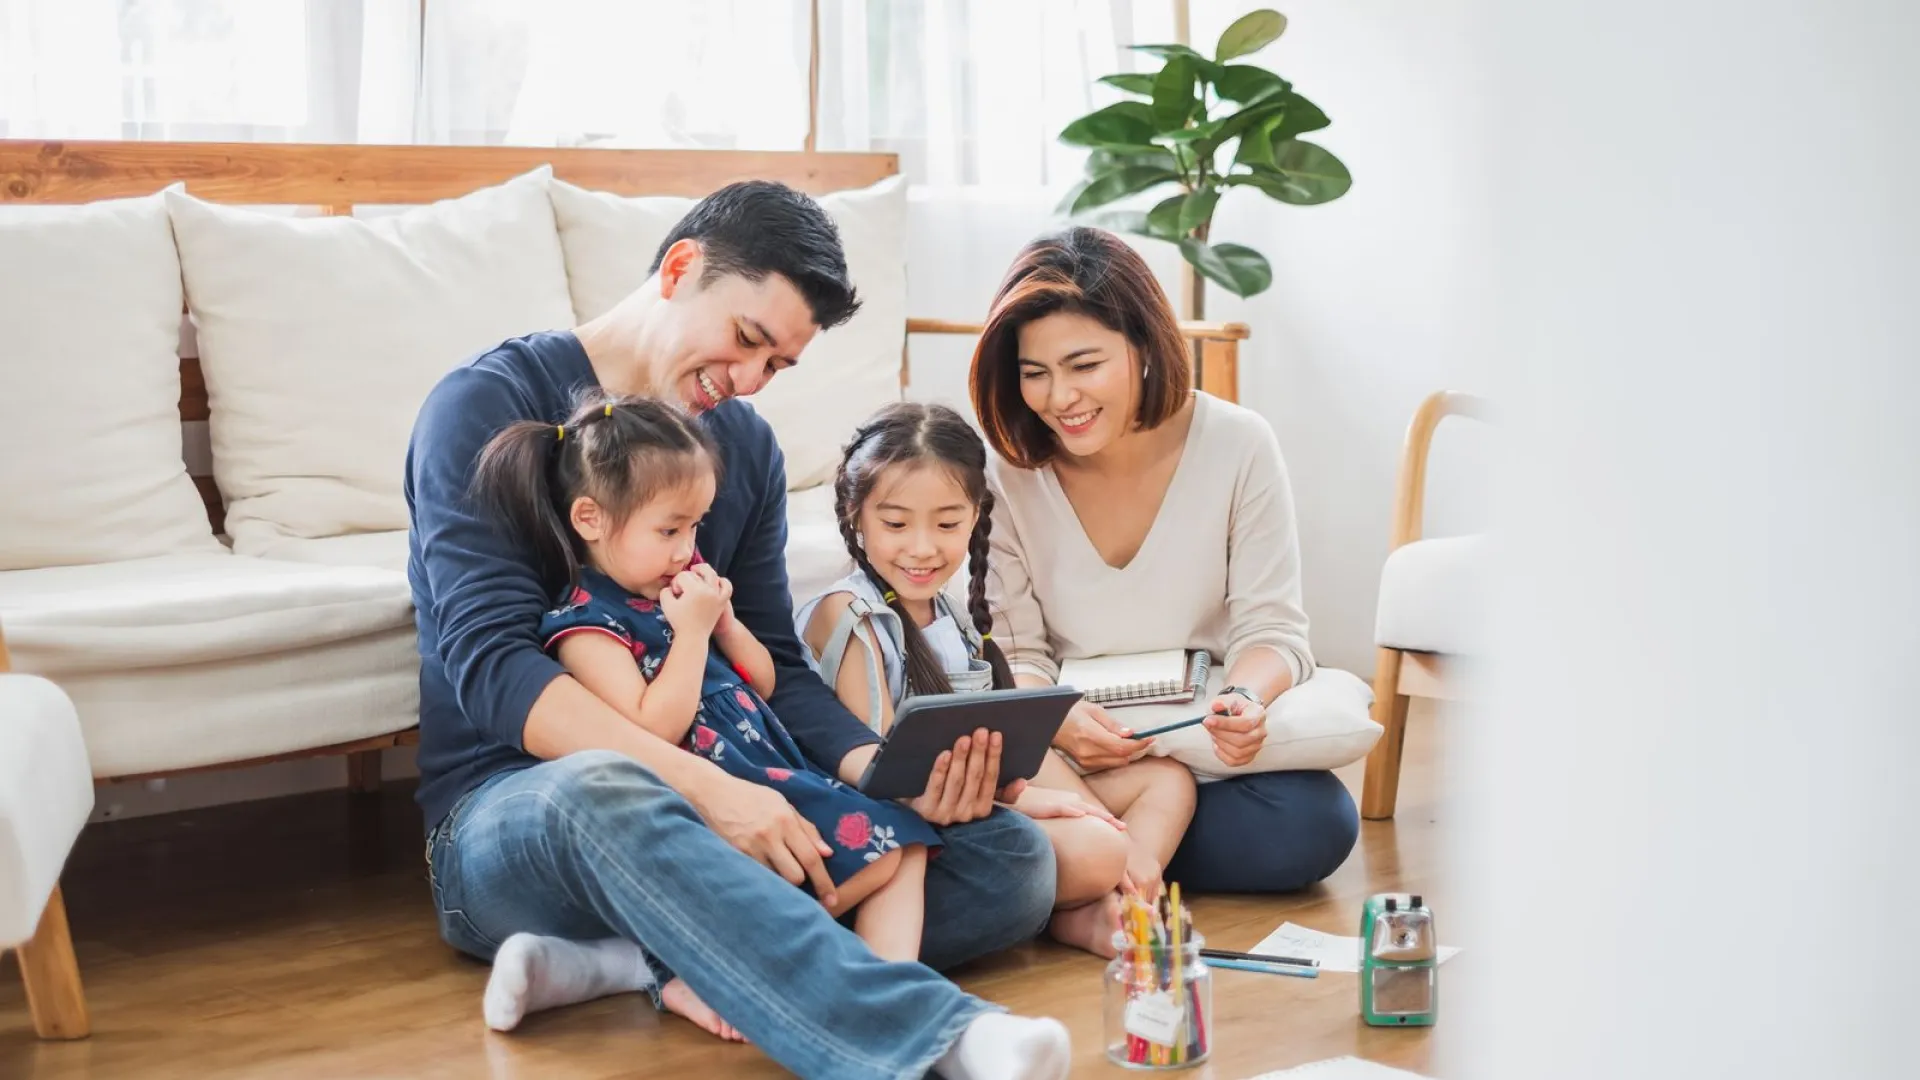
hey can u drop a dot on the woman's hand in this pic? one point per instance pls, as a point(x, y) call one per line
point(692, 604)
point(1238, 727)
point(1043, 803)
point(1096, 740)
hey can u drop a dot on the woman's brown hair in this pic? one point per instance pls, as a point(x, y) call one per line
point(1083, 271)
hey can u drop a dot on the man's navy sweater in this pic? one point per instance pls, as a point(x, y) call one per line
point(477, 601)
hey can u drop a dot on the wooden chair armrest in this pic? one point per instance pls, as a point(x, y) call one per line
point(1409, 503)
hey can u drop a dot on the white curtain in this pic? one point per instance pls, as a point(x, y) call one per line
point(244, 70)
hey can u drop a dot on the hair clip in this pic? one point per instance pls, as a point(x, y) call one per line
point(609, 411)
point(891, 596)
point(562, 429)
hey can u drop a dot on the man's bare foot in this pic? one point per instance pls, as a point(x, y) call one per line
point(680, 998)
point(1089, 926)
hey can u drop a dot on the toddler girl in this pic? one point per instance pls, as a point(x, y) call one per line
point(608, 502)
point(914, 506)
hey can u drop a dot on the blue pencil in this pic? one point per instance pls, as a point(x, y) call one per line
point(1269, 969)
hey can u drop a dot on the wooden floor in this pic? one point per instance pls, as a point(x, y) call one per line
point(293, 938)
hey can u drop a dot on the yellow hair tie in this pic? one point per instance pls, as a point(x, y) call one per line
point(609, 411)
point(891, 596)
point(562, 429)
point(986, 637)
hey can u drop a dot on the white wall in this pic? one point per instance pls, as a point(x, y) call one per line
point(1368, 312)
point(1688, 847)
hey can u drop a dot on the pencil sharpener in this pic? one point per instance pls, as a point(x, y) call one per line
point(1399, 962)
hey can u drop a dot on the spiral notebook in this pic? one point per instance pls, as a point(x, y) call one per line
point(1169, 676)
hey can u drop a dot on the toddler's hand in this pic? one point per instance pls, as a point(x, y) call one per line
point(692, 604)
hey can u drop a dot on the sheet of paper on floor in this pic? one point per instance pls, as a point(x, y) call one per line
point(1335, 953)
point(1340, 1068)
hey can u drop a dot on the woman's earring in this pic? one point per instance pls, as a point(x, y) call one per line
point(860, 541)
point(1144, 369)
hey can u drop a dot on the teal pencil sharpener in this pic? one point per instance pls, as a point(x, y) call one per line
point(1399, 962)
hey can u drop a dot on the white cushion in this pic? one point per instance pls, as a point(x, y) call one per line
point(46, 793)
point(383, 549)
point(845, 374)
point(184, 661)
point(1323, 723)
point(320, 337)
point(90, 465)
point(816, 553)
point(816, 556)
point(1431, 596)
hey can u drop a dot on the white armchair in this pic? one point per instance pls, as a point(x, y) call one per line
point(1430, 602)
point(46, 793)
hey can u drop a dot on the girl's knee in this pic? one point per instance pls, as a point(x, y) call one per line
point(1090, 858)
point(1169, 781)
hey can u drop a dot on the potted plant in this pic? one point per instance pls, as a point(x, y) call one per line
point(1204, 125)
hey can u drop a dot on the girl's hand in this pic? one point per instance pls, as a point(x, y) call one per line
point(707, 573)
point(692, 604)
point(1096, 740)
point(1043, 803)
point(1143, 874)
point(1238, 727)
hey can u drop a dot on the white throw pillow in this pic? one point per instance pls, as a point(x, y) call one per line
point(320, 337)
point(90, 464)
point(842, 378)
point(1320, 724)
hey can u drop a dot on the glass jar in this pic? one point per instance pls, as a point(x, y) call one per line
point(1158, 1005)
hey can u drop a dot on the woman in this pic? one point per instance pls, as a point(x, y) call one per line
point(1135, 514)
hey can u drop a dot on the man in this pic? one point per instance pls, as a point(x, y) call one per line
point(552, 816)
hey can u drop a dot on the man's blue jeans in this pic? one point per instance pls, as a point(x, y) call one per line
point(594, 845)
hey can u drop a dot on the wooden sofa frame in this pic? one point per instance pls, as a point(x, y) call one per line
point(338, 178)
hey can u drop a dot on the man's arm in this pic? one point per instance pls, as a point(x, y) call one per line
point(822, 726)
point(487, 601)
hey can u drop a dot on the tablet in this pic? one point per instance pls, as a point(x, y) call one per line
point(928, 725)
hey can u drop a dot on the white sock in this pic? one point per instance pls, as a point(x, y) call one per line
point(531, 973)
point(1001, 1047)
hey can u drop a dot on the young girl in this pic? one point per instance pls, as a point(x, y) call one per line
point(913, 503)
point(608, 502)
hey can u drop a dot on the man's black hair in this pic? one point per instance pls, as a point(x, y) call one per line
point(758, 227)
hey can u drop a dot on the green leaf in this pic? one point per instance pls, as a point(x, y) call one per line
point(1306, 174)
point(1240, 122)
point(1240, 270)
point(1131, 82)
point(1123, 124)
point(1248, 85)
point(1197, 209)
point(1302, 116)
point(1163, 220)
point(1249, 34)
point(1187, 135)
point(1118, 184)
point(1107, 159)
point(1167, 52)
point(1173, 98)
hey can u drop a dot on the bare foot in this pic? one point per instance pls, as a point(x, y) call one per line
point(1089, 926)
point(680, 998)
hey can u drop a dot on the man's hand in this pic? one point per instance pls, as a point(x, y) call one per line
point(1042, 803)
point(760, 822)
point(692, 604)
point(1096, 740)
point(960, 787)
point(1238, 727)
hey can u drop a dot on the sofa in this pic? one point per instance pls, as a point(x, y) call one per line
point(232, 589)
point(272, 617)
